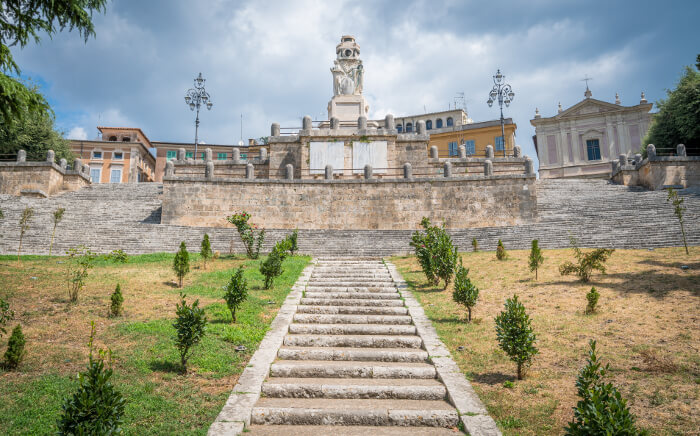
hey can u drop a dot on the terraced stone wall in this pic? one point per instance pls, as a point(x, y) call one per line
point(39, 179)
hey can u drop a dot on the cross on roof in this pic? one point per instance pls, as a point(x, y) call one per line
point(586, 79)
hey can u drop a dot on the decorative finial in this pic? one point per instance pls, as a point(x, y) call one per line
point(617, 98)
point(560, 109)
point(537, 113)
point(644, 99)
point(588, 92)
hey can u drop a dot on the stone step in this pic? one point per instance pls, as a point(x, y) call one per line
point(349, 282)
point(399, 389)
point(352, 302)
point(355, 341)
point(352, 310)
point(344, 430)
point(355, 295)
point(352, 329)
point(350, 289)
point(352, 369)
point(311, 318)
point(357, 354)
point(312, 411)
point(364, 290)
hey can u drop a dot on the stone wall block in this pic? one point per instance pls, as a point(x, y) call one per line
point(335, 123)
point(407, 171)
point(462, 152)
point(50, 156)
point(209, 170)
point(275, 129)
point(529, 166)
point(169, 169)
point(488, 168)
point(434, 152)
point(680, 150)
point(489, 151)
point(263, 154)
point(21, 156)
point(623, 160)
point(389, 122)
point(289, 172)
point(249, 171)
point(329, 172)
point(651, 151)
point(447, 169)
point(368, 171)
point(517, 151)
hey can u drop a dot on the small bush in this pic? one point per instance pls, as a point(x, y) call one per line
point(115, 307)
point(24, 221)
point(181, 263)
point(436, 253)
point(465, 293)
point(80, 261)
point(236, 292)
point(246, 231)
point(536, 259)
point(190, 326)
point(586, 262)
point(6, 315)
point(217, 254)
point(96, 408)
point(293, 239)
point(15, 348)
point(515, 335)
point(678, 210)
point(118, 256)
point(57, 217)
point(475, 245)
point(205, 252)
point(592, 297)
point(501, 251)
point(601, 410)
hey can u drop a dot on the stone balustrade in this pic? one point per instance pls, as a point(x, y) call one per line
point(41, 178)
point(657, 172)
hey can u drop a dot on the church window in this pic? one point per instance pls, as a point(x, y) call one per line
point(171, 154)
point(453, 148)
point(429, 125)
point(450, 122)
point(470, 145)
point(409, 127)
point(438, 123)
point(500, 146)
point(593, 148)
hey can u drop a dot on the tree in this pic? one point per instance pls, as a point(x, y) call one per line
point(236, 292)
point(35, 132)
point(6, 315)
point(57, 217)
point(601, 410)
point(465, 293)
point(190, 326)
point(678, 119)
point(25, 20)
point(80, 260)
point(501, 251)
point(293, 241)
point(436, 253)
point(247, 232)
point(536, 258)
point(205, 252)
point(116, 300)
point(475, 245)
point(24, 221)
point(15, 348)
point(515, 335)
point(586, 262)
point(592, 297)
point(271, 267)
point(678, 209)
point(181, 263)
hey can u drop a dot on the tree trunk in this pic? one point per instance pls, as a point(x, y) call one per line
point(19, 250)
point(469, 318)
point(536, 273)
point(520, 371)
point(684, 241)
point(53, 234)
point(233, 314)
point(180, 281)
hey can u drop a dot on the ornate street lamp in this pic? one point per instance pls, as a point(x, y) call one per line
point(195, 98)
point(505, 94)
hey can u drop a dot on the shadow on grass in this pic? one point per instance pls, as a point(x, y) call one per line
point(493, 378)
point(677, 265)
point(422, 286)
point(170, 284)
point(165, 366)
point(653, 283)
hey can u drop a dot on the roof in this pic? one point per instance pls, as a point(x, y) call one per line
point(115, 143)
point(474, 126)
point(126, 128)
point(157, 144)
point(607, 107)
point(432, 113)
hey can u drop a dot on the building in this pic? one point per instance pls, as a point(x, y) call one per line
point(475, 137)
point(582, 140)
point(434, 121)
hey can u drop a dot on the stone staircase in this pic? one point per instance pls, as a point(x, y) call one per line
point(352, 359)
point(127, 216)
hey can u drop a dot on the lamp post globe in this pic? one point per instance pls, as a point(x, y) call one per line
point(505, 95)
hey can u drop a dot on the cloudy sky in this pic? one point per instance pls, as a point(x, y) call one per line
point(270, 60)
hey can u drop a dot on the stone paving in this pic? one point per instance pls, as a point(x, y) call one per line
point(352, 354)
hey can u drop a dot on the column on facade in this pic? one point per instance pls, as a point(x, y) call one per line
point(611, 139)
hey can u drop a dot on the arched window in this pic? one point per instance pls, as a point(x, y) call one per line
point(399, 128)
point(450, 122)
point(126, 139)
point(438, 123)
point(112, 138)
point(409, 127)
point(429, 125)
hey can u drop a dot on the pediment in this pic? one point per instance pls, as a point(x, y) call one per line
point(587, 107)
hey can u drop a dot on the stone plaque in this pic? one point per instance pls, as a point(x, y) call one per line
point(372, 153)
point(326, 153)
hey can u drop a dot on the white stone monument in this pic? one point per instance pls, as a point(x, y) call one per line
point(347, 103)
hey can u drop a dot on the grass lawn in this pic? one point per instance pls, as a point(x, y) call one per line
point(647, 327)
point(160, 400)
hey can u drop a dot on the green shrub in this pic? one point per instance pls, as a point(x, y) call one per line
point(115, 307)
point(465, 293)
point(57, 217)
point(475, 245)
point(586, 262)
point(435, 252)
point(271, 267)
point(15, 348)
point(80, 260)
point(190, 326)
point(501, 251)
point(6, 315)
point(236, 292)
point(592, 297)
point(536, 259)
point(601, 410)
point(246, 231)
point(678, 210)
point(118, 256)
point(293, 242)
point(205, 252)
point(24, 221)
point(181, 263)
point(96, 408)
point(515, 335)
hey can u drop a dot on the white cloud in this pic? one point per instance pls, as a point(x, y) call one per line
point(77, 133)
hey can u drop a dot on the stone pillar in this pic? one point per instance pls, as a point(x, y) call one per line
point(488, 168)
point(389, 122)
point(651, 151)
point(289, 172)
point(329, 172)
point(623, 160)
point(420, 127)
point(680, 150)
point(637, 159)
point(169, 169)
point(489, 151)
point(207, 155)
point(529, 166)
point(236, 156)
point(362, 123)
point(517, 151)
point(86, 171)
point(434, 152)
point(181, 154)
point(209, 170)
point(306, 123)
point(462, 152)
point(63, 164)
point(407, 171)
point(275, 129)
point(77, 165)
point(447, 169)
point(335, 123)
point(263, 155)
point(615, 165)
point(368, 171)
point(21, 156)
point(249, 171)
point(50, 156)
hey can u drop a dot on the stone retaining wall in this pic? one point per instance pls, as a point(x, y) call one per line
point(39, 179)
point(658, 172)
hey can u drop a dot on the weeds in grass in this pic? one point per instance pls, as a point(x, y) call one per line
point(656, 363)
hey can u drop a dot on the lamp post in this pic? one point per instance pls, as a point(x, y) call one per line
point(505, 94)
point(195, 98)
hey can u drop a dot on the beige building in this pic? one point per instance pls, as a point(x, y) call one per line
point(583, 140)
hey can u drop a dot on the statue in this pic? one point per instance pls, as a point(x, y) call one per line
point(347, 69)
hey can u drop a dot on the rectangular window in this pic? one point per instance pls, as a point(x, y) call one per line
point(118, 155)
point(95, 174)
point(171, 154)
point(115, 176)
point(97, 155)
point(204, 155)
point(189, 155)
point(499, 143)
point(221, 156)
point(244, 156)
point(470, 145)
point(593, 148)
point(453, 149)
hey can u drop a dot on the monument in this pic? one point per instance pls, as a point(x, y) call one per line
point(348, 103)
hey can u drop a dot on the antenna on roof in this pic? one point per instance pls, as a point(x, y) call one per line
point(459, 98)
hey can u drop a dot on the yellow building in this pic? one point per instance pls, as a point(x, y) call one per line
point(475, 137)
